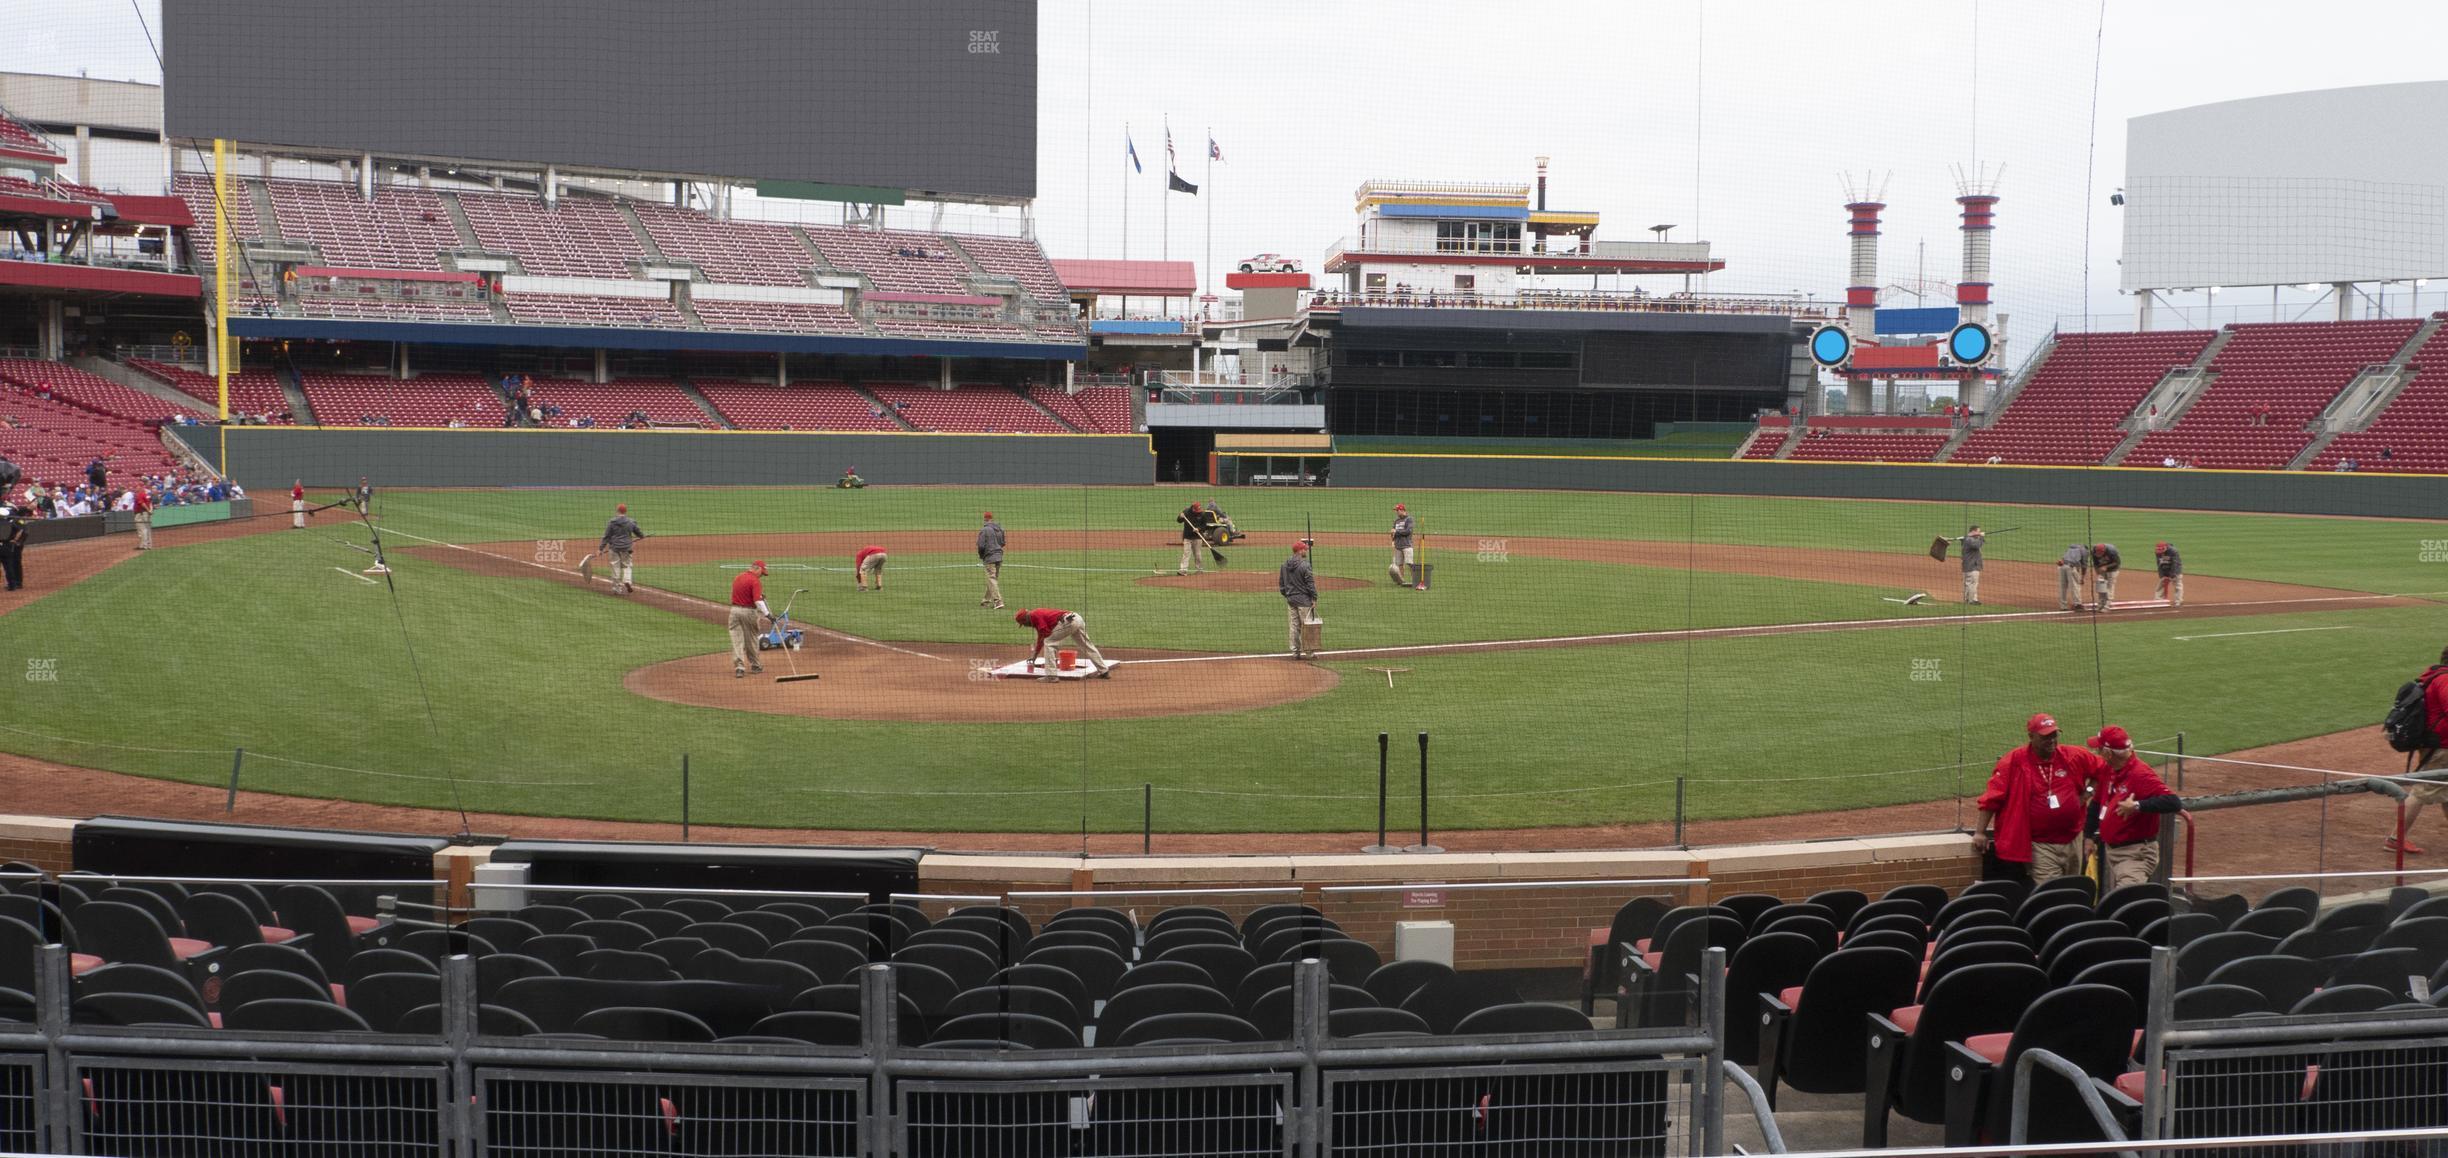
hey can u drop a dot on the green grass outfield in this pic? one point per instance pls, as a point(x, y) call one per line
point(171, 660)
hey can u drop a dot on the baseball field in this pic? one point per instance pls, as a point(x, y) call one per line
point(1576, 656)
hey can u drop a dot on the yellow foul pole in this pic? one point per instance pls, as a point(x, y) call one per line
point(224, 348)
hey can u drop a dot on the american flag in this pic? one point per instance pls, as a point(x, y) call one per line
point(1214, 153)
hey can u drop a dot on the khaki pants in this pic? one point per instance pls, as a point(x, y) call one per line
point(144, 530)
point(1072, 631)
point(1190, 557)
point(2418, 795)
point(2050, 861)
point(743, 627)
point(994, 585)
point(1971, 586)
point(1402, 558)
point(2171, 589)
point(1296, 615)
point(2132, 864)
point(297, 513)
point(873, 569)
point(2107, 588)
point(620, 566)
point(2069, 588)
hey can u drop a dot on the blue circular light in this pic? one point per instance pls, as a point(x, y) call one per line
point(1831, 345)
point(1970, 344)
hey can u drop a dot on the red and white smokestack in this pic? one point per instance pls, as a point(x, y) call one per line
point(1979, 221)
point(1542, 184)
point(1861, 297)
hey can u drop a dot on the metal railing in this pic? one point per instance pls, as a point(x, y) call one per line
point(1608, 301)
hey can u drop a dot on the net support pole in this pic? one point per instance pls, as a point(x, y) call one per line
point(1147, 818)
point(1381, 846)
point(1679, 813)
point(1423, 845)
point(684, 798)
point(229, 807)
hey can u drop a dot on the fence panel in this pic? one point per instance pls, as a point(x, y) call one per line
point(574, 1114)
point(21, 1116)
point(174, 1108)
point(2298, 1087)
point(1154, 1117)
point(1618, 1108)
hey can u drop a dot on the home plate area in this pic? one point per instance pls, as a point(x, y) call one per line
point(1034, 669)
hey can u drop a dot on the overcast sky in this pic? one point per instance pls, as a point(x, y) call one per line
point(1731, 118)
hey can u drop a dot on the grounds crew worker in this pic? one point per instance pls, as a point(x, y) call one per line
point(1402, 549)
point(1972, 541)
point(2171, 574)
point(2070, 567)
point(619, 538)
point(869, 562)
point(12, 547)
point(1197, 531)
point(747, 608)
point(2131, 799)
point(1299, 587)
point(297, 504)
point(1056, 626)
point(2035, 805)
point(2105, 563)
point(990, 556)
point(140, 500)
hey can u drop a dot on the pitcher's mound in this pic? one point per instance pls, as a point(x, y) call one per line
point(1241, 581)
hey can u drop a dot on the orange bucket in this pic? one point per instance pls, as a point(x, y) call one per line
point(1066, 659)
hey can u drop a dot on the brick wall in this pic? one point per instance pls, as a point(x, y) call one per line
point(40, 841)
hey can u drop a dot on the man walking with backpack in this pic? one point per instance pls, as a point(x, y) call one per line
point(2416, 726)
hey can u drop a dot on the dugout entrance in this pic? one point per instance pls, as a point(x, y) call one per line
point(1258, 460)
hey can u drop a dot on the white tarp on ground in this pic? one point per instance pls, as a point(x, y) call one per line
point(1024, 669)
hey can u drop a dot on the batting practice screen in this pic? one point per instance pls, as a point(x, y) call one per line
point(939, 96)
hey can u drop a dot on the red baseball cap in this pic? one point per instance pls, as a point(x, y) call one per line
point(758, 566)
point(621, 509)
point(2163, 546)
point(2112, 737)
point(990, 514)
point(1019, 617)
point(2041, 724)
point(1302, 548)
point(1399, 506)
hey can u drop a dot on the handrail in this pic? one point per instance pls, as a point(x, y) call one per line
point(1474, 886)
point(1761, 1111)
point(2019, 1118)
point(2304, 1142)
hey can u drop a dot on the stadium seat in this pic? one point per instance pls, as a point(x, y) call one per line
point(2069, 410)
point(2091, 1026)
point(1906, 1067)
point(1813, 1037)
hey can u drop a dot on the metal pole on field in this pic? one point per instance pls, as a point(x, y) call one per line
point(1147, 817)
point(1679, 813)
point(237, 761)
point(1381, 845)
point(1423, 845)
point(684, 798)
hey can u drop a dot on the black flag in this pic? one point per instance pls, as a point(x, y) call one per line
point(1174, 183)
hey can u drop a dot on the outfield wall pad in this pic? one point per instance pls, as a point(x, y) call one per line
point(268, 458)
point(2272, 492)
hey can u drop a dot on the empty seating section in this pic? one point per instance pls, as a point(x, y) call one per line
point(1765, 447)
point(610, 403)
point(2068, 413)
point(974, 409)
point(949, 328)
point(2269, 381)
point(903, 262)
point(588, 310)
point(402, 301)
point(774, 317)
point(429, 400)
point(1094, 410)
point(1019, 260)
point(580, 237)
point(19, 186)
point(2413, 430)
point(401, 228)
point(15, 134)
point(58, 439)
point(739, 252)
point(91, 391)
point(197, 191)
point(1846, 446)
point(251, 391)
point(798, 406)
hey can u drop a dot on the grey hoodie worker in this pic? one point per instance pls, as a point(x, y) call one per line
point(1299, 587)
point(990, 556)
point(619, 539)
point(2070, 568)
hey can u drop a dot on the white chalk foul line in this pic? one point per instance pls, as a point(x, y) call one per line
point(685, 598)
point(355, 576)
point(2274, 631)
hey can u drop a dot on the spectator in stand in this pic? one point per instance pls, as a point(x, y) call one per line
point(2434, 682)
point(97, 472)
point(2132, 798)
point(2031, 813)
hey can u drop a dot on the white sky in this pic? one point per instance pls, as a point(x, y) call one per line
point(1730, 118)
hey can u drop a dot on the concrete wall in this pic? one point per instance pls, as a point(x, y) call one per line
point(2275, 492)
point(266, 458)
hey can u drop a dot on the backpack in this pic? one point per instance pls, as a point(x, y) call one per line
point(2408, 723)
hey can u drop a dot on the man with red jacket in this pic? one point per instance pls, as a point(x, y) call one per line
point(141, 502)
point(2031, 814)
point(747, 608)
point(1056, 626)
point(2132, 798)
point(869, 562)
point(2433, 759)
